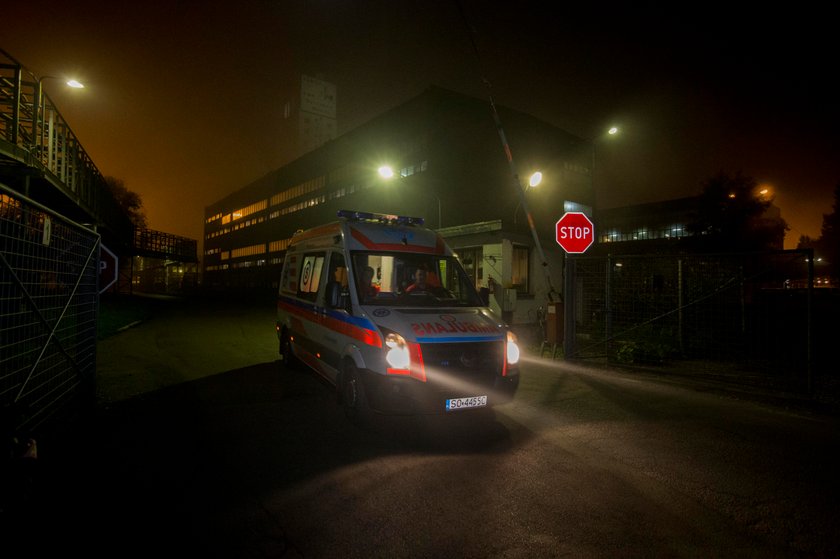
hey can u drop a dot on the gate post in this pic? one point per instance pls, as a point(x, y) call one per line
point(569, 306)
point(608, 310)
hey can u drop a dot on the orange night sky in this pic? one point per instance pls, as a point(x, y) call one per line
point(184, 100)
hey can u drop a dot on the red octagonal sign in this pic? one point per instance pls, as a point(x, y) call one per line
point(575, 232)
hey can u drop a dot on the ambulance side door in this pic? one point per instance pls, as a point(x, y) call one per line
point(334, 314)
point(310, 294)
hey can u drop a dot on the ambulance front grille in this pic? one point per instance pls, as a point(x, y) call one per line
point(475, 362)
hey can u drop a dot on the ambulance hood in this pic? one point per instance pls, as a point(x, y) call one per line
point(441, 325)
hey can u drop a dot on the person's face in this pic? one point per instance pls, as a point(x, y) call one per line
point(420, 277)
point(368, 276)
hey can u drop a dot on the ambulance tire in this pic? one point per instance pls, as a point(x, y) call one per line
point(287, 354)
point(354, 399)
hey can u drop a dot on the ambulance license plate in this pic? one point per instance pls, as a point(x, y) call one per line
point(454, 404)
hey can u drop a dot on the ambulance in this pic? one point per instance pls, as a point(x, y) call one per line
point(380, 307)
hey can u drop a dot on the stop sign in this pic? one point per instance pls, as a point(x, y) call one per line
point(575, 232)
point(108, 270)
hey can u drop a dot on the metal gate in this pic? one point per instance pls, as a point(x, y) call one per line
point(749, 315)
point(48, 314)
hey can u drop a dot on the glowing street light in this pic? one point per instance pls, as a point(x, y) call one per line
point(764, 192)
point(612, 131)
point(39, 101)
point(387, 173)
point(533, 181)
point(37, 96)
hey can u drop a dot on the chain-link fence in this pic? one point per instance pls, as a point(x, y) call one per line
point(753, 315)
point(48, 314)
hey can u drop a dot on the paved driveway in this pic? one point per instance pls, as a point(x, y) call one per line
point(183, 340)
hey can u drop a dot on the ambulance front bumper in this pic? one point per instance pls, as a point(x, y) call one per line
point(440, 394)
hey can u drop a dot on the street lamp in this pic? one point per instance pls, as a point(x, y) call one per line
point(387, 173)
point(612, 131)
point(533, 181)
point(38, 102)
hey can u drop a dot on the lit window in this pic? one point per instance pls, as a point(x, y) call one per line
point(519, 269)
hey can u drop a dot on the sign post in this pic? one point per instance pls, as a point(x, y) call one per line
point(575, 232)
point(108, 271)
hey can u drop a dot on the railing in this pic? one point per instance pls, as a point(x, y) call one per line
point(157, 244)
point(35, 135)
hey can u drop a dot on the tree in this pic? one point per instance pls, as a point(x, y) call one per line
point(830, 232)
point(733, 216)
point(129, 201)
point(827, 246)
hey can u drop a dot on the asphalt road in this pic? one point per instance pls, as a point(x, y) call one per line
point(205, 445)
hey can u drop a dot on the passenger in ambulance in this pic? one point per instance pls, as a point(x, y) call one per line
point(367, 287)
point(337, 292)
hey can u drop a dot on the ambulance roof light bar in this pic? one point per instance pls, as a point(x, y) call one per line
point(380, 218)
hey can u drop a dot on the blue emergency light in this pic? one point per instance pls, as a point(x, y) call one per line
point(380, 218)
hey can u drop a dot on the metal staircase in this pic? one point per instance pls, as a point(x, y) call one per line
point(41, 157)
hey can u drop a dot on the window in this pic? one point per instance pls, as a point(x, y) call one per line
point(412, 279)
point(473, 259)
point(289, 276)
point(310, 276)
point(337, 277)
point(519, 269)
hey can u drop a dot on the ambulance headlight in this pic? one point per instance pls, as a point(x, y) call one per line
point(512, 349)
point(398, 356)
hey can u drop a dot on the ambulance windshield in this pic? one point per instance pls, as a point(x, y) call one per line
point(394, 278)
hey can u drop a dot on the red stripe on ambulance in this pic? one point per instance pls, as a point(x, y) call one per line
point(364, 335)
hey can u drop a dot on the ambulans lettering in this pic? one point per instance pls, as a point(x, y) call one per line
point(451, 327)
point(401, 242)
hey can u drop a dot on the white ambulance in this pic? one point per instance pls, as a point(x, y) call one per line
point(381, 308)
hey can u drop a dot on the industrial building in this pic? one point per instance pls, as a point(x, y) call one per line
point(450, 166)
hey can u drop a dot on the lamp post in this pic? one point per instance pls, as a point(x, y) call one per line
point(37, 95)
point(387, 173)
point(533, 181)
point(38, 102)
point(612, 131)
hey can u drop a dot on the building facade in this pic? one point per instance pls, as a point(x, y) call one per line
point(450, 167)
point(665, 226)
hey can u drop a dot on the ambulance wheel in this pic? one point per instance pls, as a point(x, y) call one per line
point(287, 354)
point(354, 398)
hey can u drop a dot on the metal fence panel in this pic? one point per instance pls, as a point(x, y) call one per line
point(695, 313)
point(48, 313)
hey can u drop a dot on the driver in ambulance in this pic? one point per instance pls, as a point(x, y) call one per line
point(419, 281)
